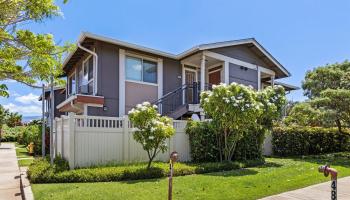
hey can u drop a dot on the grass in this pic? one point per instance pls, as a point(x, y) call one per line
point(276, 176)
point(22, 154)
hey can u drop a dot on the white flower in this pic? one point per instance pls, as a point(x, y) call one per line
point(146, 103)
point(138, 106)
point(151, 137)
point(155, 106)
point(233, 83)
point(235, 104)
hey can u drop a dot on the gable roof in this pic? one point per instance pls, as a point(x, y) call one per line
point(182, 55)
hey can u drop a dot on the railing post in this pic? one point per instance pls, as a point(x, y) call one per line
point(71, 125)
point(195, 92)
point(126, 141)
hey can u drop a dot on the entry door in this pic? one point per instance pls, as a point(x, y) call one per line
point(190, 78)
point(215, 77)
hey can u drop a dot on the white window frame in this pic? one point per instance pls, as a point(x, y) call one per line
point(75, 78)
point(93, 74)
point(142, 57)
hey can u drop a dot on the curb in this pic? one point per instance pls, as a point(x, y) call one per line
point(26, 189)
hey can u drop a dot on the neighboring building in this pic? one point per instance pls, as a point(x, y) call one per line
point(59, 97)
point(107, 77)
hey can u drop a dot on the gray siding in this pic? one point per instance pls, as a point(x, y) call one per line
point(172, 70)
point(241, 52)
point(108, 80)
point(242, 76)
point(59, 98)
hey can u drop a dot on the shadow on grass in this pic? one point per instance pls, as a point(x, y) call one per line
point(233, 173)
point(339, 159)
point(269, 165)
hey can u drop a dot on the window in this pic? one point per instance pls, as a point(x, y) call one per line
point(88, 75)
point(138, 69)
point(71, 84)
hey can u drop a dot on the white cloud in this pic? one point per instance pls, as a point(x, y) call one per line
point(30, 110)
point(28, 99)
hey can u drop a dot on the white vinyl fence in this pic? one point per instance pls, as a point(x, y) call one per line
point(90, 140)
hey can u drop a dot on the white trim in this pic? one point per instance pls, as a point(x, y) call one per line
point(259, 78)
point(227, 72)
point(183, 81)
point(85, 109)
point(160, 77)
point(266, 71)
point(229, 59)
point(94, 105)
point(190, 64)
point(121, 82)
point(202, 72)
point(215, 65)
point(194, 49)
point(217, 70)
point(71, 98)
point(141, 56)
point(95, 65)
point(141, 82)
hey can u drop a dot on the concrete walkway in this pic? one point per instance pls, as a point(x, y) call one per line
point(9, 173)
point(316, 192)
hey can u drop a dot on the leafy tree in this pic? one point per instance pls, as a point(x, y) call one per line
point(233, 109)
point(338, 102)
point(13, 119)
point(326, 77)
point(152, 129)
point(26, 56)
point(304, 114)
point(3, 114)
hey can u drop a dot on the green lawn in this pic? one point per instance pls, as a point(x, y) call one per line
point(276, 176)
point(22, 154)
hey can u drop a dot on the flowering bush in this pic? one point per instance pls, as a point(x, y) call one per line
point(235, 109)
point(152, 129)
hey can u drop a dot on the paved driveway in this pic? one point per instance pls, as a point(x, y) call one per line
point(316, 192)
point(9, 173)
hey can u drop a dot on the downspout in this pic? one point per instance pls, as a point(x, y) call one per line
point(96, 64)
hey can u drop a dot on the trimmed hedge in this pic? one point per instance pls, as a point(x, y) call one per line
point(41, 171)
point(204, 147)
point(295, 140)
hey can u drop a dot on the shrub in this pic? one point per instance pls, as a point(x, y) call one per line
point(41, 172)
point(295, 140)
point(203, 141)
point(30, 134)
point(60, 164)
point(204, 148)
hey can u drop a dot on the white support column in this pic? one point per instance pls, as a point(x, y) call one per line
point(121, 82)
point(183, 83)
point(226, 72)
point(160, 78)
point(259, 79)
point(202, 72)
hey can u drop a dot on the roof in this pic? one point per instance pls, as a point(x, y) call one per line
point(47, 91)
point(182, 55)
point(287, 87)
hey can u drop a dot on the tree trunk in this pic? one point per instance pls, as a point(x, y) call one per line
point(337, 121)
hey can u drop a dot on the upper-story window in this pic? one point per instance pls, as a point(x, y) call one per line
point(88, 75)
point(139, 69)
point(72, 84)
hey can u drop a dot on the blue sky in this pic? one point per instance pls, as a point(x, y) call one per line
point(300, 34)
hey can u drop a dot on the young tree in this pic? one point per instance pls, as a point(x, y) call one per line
point(3, 114)
point(26, 56)
point(152, 129)
point(233, 109)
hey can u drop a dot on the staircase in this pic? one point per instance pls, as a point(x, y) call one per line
point(175, 103)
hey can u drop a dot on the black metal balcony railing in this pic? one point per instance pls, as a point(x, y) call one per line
point(184, 95)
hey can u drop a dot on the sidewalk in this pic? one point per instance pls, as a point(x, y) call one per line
point(316, 192)
point(9, 173)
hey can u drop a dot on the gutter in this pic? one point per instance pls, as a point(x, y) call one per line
point(96, 64)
